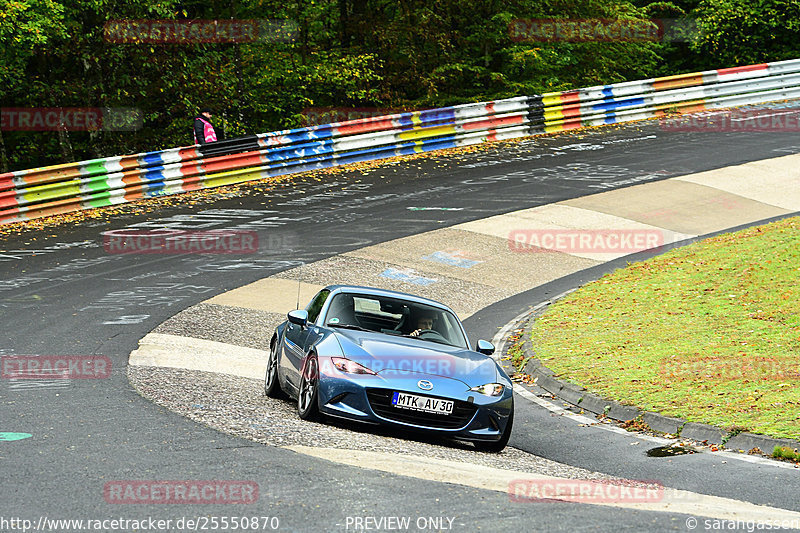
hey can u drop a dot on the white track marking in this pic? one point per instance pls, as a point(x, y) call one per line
point(501, 480)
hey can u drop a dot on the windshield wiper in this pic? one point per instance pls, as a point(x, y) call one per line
point(347, 326)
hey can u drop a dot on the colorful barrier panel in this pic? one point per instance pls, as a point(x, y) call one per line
point(38, 192)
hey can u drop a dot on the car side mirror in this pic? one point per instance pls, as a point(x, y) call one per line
point(299, 317)
point(484, 347)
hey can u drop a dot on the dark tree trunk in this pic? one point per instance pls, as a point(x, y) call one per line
point(63, 143)
point(344, 24)
point(3, 156)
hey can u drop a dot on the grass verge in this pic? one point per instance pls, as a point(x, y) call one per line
point(709, 332)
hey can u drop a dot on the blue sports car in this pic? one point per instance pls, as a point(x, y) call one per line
point(390, 358)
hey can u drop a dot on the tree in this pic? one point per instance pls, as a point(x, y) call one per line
point(743, 32)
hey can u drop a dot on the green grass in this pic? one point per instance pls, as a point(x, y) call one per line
point(709, 332)
point(782, 452)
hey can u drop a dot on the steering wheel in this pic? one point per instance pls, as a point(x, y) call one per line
point(431, 332)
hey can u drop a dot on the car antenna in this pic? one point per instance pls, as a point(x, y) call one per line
point(298, 287)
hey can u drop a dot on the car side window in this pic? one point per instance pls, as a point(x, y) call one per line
point(316, 305)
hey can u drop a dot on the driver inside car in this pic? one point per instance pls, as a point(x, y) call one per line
point(424, 322)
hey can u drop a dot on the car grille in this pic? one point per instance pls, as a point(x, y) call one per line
point(381, 402)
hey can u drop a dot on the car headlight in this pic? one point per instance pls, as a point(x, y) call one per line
point(350, 367)
point(489, 389)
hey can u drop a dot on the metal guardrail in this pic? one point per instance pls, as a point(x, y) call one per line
point(38, 192)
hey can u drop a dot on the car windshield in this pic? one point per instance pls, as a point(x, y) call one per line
point(393, 316)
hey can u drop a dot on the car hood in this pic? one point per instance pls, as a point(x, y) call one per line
point(389, 355)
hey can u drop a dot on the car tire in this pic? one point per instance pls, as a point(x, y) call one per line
point(308, 393)
point(498, 445)
point(272, 387)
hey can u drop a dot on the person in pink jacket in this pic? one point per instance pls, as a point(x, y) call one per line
point(203, 129)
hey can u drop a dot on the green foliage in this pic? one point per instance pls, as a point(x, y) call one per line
point(25, 26)
point(783, 452)
point(359, 53)
point(743, 32)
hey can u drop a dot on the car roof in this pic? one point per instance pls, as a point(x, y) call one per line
point(385, 292)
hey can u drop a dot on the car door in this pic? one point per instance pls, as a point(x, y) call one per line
point(298, 340)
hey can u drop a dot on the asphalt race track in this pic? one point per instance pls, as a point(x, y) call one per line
point(62, 294)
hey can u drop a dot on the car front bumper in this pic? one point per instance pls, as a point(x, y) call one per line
point(367, 398)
